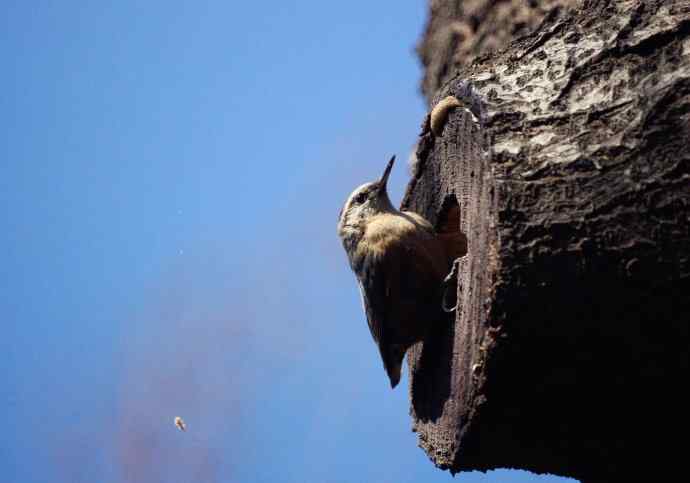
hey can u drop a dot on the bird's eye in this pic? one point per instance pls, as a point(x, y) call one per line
point(361, 198)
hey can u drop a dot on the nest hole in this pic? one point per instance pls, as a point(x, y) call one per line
point(448, 229)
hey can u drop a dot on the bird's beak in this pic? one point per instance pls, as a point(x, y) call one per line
point(383, 182)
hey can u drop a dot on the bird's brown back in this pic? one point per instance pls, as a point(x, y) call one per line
point(403, 265)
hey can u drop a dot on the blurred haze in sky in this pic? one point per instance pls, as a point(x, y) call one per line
point(170, 183)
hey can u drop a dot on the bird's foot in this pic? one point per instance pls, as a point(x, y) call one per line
point(449, 288)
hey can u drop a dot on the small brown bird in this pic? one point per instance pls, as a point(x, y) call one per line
point(179, 422)
point(400, 265)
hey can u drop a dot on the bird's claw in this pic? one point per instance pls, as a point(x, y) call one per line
point(449, 287)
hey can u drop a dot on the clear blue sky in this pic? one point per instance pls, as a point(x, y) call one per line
point(171, 174)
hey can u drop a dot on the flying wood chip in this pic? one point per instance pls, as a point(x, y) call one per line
point(180, 424)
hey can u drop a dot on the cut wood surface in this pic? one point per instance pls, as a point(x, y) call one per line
point(570, 166)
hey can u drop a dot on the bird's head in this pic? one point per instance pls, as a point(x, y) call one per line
point(364, 202)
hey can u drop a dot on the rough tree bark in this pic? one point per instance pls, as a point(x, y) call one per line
point(571, 171)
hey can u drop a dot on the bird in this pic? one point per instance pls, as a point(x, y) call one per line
point(179, 422)
point(400, 266)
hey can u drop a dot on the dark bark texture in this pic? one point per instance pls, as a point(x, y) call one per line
point(459, 31)
point(570, 166)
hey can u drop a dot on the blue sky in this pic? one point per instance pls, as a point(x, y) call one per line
point(171, 174)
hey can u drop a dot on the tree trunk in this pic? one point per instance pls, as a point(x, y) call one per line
point(570, 166)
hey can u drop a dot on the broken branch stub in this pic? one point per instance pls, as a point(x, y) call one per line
point(572, 190)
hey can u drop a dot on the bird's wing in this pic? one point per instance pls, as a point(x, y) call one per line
point(374, 288)
point(393, 281)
